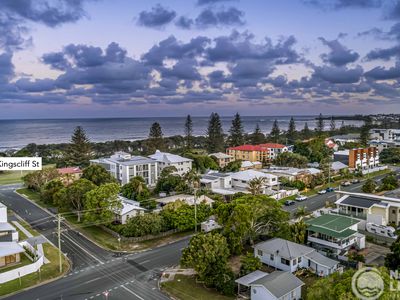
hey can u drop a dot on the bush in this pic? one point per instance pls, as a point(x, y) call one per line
point(369, 186)
point(250, 263)
point(144, 225)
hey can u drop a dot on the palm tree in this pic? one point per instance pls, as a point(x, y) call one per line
point(255, 186)
point(300, 212)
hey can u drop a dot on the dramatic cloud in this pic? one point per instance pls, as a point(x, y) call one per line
point(6, 67)
point(157, 17)
point(50, 13)
point(338, 74)
point(222, 17)
point(380, 73)
point(343, 4)
point(339, 55)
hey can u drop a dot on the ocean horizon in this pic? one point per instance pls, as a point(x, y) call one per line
point(17, 133)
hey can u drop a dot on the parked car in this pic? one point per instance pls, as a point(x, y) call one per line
point(329, 189)
point(289, 202)
point(321, 192)
point(345, 183)
point(355, 181)
point(300, 198)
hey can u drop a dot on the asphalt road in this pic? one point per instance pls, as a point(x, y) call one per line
point(94, 270)
point(318, 201)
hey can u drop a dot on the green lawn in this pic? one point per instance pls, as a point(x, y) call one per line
point(48, 271)
point(185, 288)
point(10, 177)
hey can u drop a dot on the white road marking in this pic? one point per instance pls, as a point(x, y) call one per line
point(133, 293)
point(75, 243)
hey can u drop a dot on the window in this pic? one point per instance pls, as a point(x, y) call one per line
point(393, 211)
point(285, 261)
point(271, 257)
point(299, 260)
point(259, 252)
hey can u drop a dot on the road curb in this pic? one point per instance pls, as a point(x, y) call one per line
point(34, 203)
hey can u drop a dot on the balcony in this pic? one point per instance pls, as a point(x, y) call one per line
point(357, 215)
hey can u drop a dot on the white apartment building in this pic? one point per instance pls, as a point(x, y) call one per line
point(124, 166)
point(164, 159)
point(382, 134)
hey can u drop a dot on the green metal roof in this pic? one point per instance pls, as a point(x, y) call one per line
point(332, 225)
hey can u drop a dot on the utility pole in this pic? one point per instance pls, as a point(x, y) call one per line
point(59, 240)
point(195, 211)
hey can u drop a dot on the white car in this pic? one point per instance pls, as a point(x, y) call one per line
point(300, 198)
point(321, 192)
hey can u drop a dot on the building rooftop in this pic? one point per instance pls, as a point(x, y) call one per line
point(248, 164)
point(285, 248)
point(279, 283)
point(189, 199)
point(248, 175)
point(168, 157)
point(322, 259)
point(69, 170)
point(220, 155)
point(358, 201)
point(338, 165)
point(332, 225)
point(260, 147)
point(9, 248)
point(350, 136)
point(251, 277)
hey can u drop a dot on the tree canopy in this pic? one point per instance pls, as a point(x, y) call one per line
point(236, 137)
point(289, 159)
point(79, 151)
point(215, 134)
point(98, 175)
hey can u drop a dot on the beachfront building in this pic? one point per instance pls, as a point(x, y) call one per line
point(383, 134)
point(334, 234)
point(359, 158)
point(289, 256)
point(262, 152)
point(222, 159)
point(124, 166)
point(379, 210)
point(165, 159)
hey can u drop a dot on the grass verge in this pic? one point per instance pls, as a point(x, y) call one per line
point(33, 196)
point(186, 288)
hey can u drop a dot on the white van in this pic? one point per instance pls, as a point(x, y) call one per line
point(382, 230)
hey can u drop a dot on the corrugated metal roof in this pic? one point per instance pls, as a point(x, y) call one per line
point(279, 283)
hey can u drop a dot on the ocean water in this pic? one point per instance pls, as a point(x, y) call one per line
point(15, 134)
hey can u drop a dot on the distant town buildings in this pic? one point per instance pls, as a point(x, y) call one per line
point(262, 152)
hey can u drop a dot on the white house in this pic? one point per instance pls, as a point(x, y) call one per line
point(241, 180)
point(164, 159)
point(188, 199)
point(289, 256)
point(209, 225)
point(124, 166)
point(277, 285)
point(130, 209)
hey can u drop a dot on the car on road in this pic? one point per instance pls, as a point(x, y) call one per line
point(289, 202)
point(345, 183)
point(321, 192)
point(329, 189)
point(355, 181)
point(300, 198)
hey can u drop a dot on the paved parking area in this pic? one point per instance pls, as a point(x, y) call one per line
point(375, 254)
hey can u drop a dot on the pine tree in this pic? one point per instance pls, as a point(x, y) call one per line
point(188, 133)
point(364, 134)
point(275, 132)
point(333, 124)
point(155, 140)
point(257, 137)
point(291, 133)
point(215, 134)
point(79, 150)
point(306, 131)
point(320, 125)
point(236, 132)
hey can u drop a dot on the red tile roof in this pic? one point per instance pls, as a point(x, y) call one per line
point(261, 147)
point(69, 170)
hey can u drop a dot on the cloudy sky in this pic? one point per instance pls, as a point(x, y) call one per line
point(110, 58)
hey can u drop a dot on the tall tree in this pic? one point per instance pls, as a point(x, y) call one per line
point(236, 132)
point(291, 133)
point(306, 131)
point(333, 124)
point(257, 137)
point(188, 133)
point(155, 140)
point(79, 150)
point(215, 134)
point(320, 125)
point(101, 203)
point(275, 132)
point(98, 175)
point(364, 133)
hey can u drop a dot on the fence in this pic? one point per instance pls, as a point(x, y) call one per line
point(139, 238)
point(22, 271)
